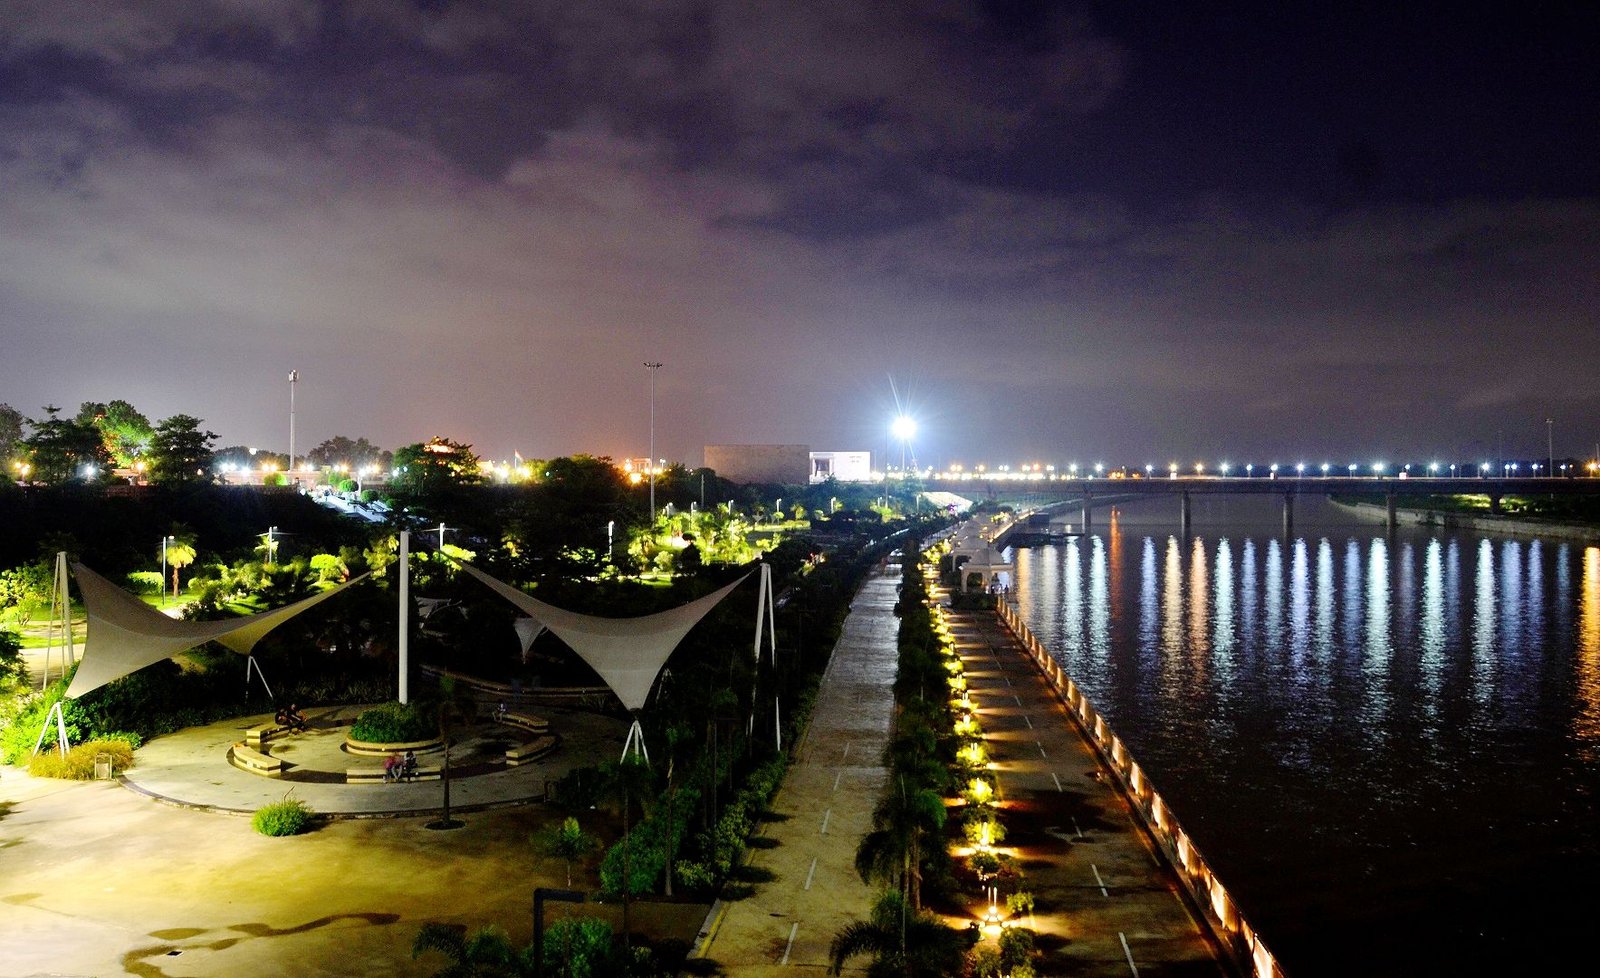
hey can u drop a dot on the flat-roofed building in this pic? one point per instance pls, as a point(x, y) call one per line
point(788, 465)
point(844, 466)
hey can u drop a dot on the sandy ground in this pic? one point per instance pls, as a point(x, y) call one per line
point(99, 880)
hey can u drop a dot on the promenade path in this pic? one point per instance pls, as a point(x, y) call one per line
point(823, 809)
point(1105, 905)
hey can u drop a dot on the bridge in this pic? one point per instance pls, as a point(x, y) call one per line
point(1058, 491)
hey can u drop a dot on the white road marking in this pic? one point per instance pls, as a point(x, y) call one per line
point(1041, 750)
point(836, 778)
point(796, 926)
point(825, 816)
point(1018, 699)
point(1097, 879)
point(1075, 827)
point(1057, 781)
point(811, 873)
point(1029, 720)
point(1127, 953)
point(846, 751)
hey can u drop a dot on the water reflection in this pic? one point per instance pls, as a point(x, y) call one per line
point(1348, 706)
point(1587, 724)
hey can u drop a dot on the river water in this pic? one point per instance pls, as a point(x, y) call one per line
point(1387, 745)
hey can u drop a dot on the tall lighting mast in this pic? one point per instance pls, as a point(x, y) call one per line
point(652, 366)
point(294, 377)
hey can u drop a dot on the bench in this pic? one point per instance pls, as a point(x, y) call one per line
point(257, 737)
point(532, 724)
point(247, 758)
point(374, 775)
point(532, 750)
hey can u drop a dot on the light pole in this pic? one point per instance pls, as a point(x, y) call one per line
point(163, 591)
point(652, 366)
point(294, 378)
point(1549, 447)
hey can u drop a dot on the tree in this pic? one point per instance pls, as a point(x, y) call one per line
point(905, 821)
point(14, 671)
point(125, 433)
point(61, 450)
point(488, 952)
point(456, 707)
point(180, 553)
point(902, 941)
point(567, 841)
point(340, 450)
point(436, 465)
point(11, 422)
point(181, 451)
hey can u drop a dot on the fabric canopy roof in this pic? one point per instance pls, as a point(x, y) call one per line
point(626, 652)
point(125, 634)
point(527, 630)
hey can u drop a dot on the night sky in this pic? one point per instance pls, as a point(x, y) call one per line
point(1128, 232)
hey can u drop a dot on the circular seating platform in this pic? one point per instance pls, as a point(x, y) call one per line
point(206, 767)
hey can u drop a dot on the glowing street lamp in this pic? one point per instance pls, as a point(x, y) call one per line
point(904, 428)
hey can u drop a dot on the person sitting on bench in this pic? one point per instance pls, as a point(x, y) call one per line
point(291, 718)
point(408, 767)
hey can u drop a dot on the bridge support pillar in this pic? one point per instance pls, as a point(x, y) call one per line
point(1088, 510)
point(1288, 513)
point(1183, 512)
point(1389, 519)
point(1494, 503)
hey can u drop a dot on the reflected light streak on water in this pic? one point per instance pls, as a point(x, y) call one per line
point(1387, 744)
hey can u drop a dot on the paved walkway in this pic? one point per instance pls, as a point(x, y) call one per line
point(1104, 905)
point(825, 806)
point(191, 768)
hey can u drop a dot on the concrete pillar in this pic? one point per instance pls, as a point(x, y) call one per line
point(1088, 510)
point(1183, 512)
point(1494, 503)
point(405, 616)
point(1288, 513)
point(1388, 511)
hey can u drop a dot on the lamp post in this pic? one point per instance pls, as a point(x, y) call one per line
point(1549, 447)
point(163, 591)
point(652, 366)
point(294, 378)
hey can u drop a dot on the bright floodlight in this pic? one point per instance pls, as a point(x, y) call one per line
point(904, 428)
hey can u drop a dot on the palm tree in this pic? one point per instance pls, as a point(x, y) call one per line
point(456, 708)
point(892, 852)
point(180, 553)
point(903, 942)
point(567, 841)
point(488, 953)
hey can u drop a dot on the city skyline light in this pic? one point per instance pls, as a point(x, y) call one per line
point(1091, 231)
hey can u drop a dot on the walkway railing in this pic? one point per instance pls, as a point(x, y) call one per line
point(1237, 938)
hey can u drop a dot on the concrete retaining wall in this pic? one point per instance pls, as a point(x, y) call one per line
point(1237, 938)
point(1446, 519)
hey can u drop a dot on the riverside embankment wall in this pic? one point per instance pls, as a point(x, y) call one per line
point(1449, 520)
point(1221, 914)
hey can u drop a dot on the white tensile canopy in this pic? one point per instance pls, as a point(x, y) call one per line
point(527, 630)
point(628, 653)
point(125, 634)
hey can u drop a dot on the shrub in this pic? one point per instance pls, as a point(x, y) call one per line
point(1020, 903)
point(78, 764)
point(1016, 947)
point(393, 723)
point(287, 817)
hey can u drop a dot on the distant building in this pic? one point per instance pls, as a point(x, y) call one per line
point(844, 466)
point(788, 465)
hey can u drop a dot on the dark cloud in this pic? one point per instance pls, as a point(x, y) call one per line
point(478, 219)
